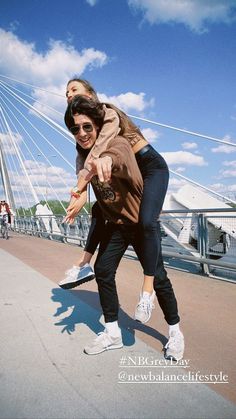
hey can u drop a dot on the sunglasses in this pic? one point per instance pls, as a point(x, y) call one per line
point(76, 128)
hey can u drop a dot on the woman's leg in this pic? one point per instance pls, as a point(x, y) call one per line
point(162, 284)
point(174, 349)
point(155, 178)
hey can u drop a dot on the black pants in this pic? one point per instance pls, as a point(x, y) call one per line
point(155, 175)
point(115, 240)
point(96, 229)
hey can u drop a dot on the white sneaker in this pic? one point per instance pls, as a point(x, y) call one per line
point(77, 275)
point(144, 307)
point(174, 349)
point(103, 342)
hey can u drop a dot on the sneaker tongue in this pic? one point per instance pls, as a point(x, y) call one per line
point(173, 333)
point(146, 294)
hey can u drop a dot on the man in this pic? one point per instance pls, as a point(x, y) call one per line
point(119, 200)
point(4, 208)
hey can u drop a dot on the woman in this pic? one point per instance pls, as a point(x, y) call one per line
point(155, 175)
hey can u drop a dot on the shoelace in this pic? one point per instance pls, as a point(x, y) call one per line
point(173, 341)
point(72, 271)
point(103, 336)
point(145, 304)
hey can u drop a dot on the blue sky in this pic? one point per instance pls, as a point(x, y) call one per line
point(173, 62)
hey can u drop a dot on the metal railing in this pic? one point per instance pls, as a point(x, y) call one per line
point(206, 237)
point(52, 227)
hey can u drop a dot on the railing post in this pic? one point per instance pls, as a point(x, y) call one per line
point(202, 241)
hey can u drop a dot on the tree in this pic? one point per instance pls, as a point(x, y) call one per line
point(54, 205)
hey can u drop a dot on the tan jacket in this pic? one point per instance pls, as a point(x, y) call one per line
point(120, 198)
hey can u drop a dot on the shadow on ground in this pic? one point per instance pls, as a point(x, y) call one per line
point(84, 307)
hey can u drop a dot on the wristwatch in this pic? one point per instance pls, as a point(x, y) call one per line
point(75, 192)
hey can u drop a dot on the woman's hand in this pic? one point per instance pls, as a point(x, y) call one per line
point(74, 207)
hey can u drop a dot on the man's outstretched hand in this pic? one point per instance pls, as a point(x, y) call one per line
point(102, 167)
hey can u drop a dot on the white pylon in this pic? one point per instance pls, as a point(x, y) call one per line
point(8, 195)
point(36, 200)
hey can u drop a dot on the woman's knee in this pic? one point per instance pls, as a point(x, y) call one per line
point(148, 225)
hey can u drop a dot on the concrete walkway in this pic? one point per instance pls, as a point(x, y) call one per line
point(45, 374)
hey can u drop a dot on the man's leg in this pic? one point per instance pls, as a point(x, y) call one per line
point(82, 271)
point(111, 249)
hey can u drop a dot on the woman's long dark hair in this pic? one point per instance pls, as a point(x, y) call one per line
point(126, 125)
point(84, 105)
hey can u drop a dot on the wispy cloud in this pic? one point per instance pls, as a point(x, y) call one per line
point(189, 146)
point(47, 180)
point(92, 2)
point(224, 148)
point(231, 163)
point(8, 140)
point(151, 134)
point(128, 101)
point(184, 157)
point(195, 14)
point(222, 188)
point(21, 60)
point(227, 173)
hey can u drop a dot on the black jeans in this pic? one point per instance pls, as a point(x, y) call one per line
point(155, 175)
point(115, 240)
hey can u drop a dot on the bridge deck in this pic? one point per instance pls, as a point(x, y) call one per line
point(44, 372)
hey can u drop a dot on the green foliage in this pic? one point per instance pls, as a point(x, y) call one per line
point(54, 205)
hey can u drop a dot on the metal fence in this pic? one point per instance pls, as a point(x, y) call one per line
point(53, 228)
point(203, 237)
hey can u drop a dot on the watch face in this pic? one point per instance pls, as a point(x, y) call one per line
point(75, 191)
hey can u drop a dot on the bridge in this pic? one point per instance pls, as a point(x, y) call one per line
point(45, 328)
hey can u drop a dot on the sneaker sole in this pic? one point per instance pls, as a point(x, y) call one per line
point(141, 321)
point(109, 348)
point(74, 284)
point(176, 358)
